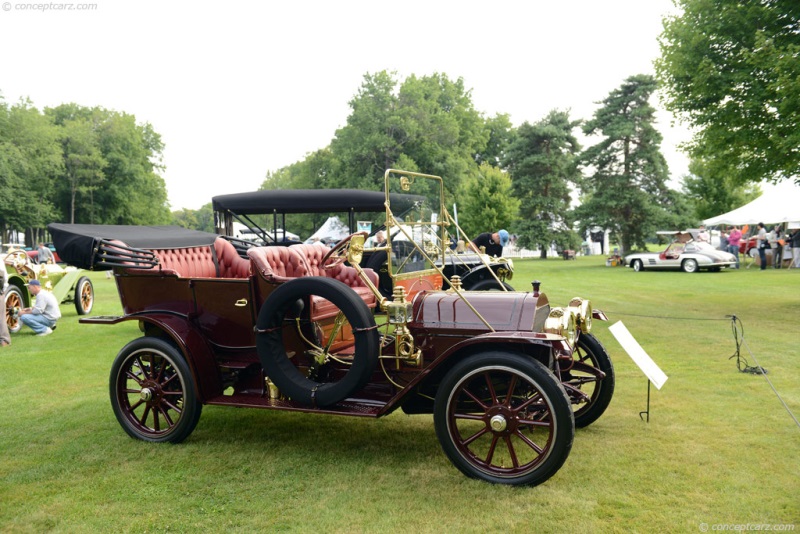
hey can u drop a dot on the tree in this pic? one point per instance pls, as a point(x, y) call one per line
point(374, 135)
point(500, 134)
point(488, 202)
point(542, 162)
point(132, 192)
point(625, 190)
point(429, 123)
point(445, 132)
point(712, 194)
point(83, 162)
point(30, 159)
point(731, 70)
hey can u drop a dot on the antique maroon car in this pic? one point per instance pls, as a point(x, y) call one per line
point(506, 376)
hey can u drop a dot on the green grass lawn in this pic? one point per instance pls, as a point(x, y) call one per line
point(719, 448)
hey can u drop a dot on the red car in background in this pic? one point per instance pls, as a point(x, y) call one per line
point(34, 255)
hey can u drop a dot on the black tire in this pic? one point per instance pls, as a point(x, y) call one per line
point(483, 406)
point(283, 372)
point(14, 299)
point(689, 265)
point(490, 284)
point(84, 296)
point(153, 393)
point(637, 265)
point(581, 379)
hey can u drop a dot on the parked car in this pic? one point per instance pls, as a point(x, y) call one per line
point(506, 376)
point(682, 254)
point(477, 272)
point(68, 284)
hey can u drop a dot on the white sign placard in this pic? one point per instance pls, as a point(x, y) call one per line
point(650, 369)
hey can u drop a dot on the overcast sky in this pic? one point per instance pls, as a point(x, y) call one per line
point(236, 90)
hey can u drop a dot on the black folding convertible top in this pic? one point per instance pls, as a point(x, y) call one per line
point(310, 201)
point(89, 246)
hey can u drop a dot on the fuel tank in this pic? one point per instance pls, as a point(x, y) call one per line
point(502, 310)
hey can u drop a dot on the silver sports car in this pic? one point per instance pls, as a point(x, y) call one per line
point(683, 253)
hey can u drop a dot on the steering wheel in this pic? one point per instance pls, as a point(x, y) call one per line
point(17, 258)
point(337, 254)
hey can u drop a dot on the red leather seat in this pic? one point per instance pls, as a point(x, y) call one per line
point(192, 262)
point(229, 263)
point(277, 264)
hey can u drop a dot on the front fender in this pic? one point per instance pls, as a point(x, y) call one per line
point(523, 342)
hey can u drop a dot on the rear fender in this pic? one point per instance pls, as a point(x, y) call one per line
point(186, 338)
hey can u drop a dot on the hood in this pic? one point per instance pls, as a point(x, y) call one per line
point(504, 311)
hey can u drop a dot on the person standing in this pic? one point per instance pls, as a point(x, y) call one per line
point(734, 238)
point(44, 254)
point(762, 244)
point(776, 243)
point(5, 338)
point(42, 317)
point(795, 237)
point(493, 243)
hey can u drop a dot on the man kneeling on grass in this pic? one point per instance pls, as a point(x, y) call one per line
point(44, 314)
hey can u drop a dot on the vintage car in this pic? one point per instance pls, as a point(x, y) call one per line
point(478, 272)
point(506, 376)
point(68, 284)
point(683, 253)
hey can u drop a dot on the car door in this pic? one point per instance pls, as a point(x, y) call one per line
point(224, 311)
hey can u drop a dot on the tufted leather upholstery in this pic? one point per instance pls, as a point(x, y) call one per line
point(229, 263)
point(192, 262)
point(277, 264)
point(313, 255)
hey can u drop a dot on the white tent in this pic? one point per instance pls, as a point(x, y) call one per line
point(332, 230)
point(779, 205)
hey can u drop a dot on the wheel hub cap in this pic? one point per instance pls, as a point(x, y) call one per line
point(147, 394)
point(498, 423)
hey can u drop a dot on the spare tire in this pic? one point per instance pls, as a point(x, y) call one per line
point(280, 369)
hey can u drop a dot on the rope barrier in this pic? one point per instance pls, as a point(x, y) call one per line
point(741, 362)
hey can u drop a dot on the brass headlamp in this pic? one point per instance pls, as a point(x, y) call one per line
point(582, 308)
point(561, 321)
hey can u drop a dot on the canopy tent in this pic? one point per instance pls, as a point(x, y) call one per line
point(333, 230)
point(779, 205)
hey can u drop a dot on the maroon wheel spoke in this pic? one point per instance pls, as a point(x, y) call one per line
point(529, 442)
point(476, 435)
point(468, 416)
point(489, 384)
point(165, 414)
point(511, 385)
point(143, 418)
point(533, 422)
point(137, 404)
point(168, 380)
point(580, 380)
point(571, 389)
point(140, 364)
point(171, 406)
point(490, 453)
point(511, 452)
point(476, 399)
point(534, 398)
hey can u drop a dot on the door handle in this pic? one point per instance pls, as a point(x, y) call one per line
point(241, 303)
